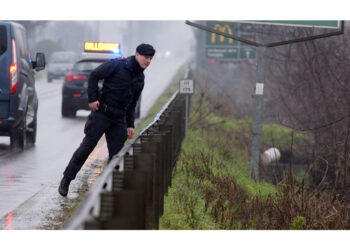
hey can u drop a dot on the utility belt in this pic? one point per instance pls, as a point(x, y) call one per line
point(115, 110)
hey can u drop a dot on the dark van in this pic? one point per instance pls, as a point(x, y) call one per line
point(18, 97)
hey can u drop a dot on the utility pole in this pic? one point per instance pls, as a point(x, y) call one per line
point(257, 114)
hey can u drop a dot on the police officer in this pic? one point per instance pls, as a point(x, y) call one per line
point(113, 110)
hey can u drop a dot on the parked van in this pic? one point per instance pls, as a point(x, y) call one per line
point(18, 97)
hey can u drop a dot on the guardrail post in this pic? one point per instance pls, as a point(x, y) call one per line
point(146, 163)
point(159, 138)
point(170, 154)
point(154, 148)
point(136, 148)
point(166, 134)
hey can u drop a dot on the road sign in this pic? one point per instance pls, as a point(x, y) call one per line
point(223, 48)
point(247, 53)
point(186, 86)
point(222, 52)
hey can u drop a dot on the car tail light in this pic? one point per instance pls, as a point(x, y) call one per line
point(13, 70)
point(71, 77)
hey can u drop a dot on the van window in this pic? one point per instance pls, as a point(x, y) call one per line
point(3, 39)
point(20, 43)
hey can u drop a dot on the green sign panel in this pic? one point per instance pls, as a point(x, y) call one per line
point(222, 53)
point(220, 47)
point(247, 53)
point(303, 23)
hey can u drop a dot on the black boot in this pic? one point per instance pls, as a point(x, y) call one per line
point(64, 186)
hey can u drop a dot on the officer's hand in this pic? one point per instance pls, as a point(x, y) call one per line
point(94, 105)
point(130, 133)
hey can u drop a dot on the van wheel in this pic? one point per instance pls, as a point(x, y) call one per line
point(18, 136)
point(31, 132)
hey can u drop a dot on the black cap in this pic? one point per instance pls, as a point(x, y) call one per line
point(145, 49)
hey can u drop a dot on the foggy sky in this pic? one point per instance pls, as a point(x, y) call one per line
point(174, 36)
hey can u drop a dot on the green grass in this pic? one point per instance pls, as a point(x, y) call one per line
point(272, 134)
point(281, 137)
point(184, 205)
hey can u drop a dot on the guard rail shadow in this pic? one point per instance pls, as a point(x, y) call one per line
point(129, 194)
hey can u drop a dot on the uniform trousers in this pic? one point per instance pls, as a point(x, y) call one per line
point(98, 123)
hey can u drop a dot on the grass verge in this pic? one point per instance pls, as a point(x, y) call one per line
point(212, 189)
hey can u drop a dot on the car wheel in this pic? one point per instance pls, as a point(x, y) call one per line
point(67, 110)
point(31, 132)
point(18, 136)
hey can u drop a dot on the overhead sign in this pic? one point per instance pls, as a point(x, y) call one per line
point(223, 48)
point(301, 23)
point(186, 86)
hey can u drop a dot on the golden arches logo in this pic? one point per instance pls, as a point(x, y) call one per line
point(222, 29)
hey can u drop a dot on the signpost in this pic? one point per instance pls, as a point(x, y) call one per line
point(258, 96)
point(186, 88)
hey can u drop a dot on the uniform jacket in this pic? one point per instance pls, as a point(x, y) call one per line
point(122, 85)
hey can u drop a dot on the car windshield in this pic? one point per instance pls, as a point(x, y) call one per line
point(87, 65)
point(63, 58)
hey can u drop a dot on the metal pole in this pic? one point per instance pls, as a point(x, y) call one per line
point(257, 115)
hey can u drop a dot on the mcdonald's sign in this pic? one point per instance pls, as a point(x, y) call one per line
point(214, 39)
point(227, 49)
point(224, 29)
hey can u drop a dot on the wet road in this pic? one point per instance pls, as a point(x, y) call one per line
point(29, 179)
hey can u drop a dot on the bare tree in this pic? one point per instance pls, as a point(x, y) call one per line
point(308, 91)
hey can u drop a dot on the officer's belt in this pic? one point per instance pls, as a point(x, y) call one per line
point(108, 108)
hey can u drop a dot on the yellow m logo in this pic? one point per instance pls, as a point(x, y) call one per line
point(222, 29)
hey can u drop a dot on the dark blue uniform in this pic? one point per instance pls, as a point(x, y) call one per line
point(122, 87)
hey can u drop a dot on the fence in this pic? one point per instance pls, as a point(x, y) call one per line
point(130, 192)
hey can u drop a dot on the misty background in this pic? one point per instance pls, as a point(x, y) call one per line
point(173, 38)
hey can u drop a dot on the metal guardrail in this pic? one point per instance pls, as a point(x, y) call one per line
point(129, 194)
